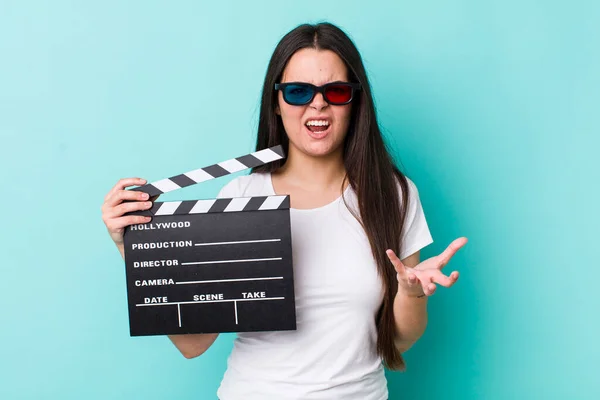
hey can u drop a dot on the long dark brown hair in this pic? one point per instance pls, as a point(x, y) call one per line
point(369, 166)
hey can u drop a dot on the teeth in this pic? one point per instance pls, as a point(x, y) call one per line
point(317, 123)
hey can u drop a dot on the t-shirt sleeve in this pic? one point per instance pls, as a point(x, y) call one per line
point(230, 190)
point(415, 234)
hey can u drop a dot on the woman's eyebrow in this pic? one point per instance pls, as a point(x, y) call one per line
point(312, 81)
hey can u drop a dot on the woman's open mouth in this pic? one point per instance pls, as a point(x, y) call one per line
point(317, 128)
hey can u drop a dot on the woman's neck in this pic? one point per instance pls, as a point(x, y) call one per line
point(313, 173)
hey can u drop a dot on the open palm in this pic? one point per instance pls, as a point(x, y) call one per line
point(421, 280)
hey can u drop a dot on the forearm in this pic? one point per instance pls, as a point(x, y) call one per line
point(410, 317)
point(193, 345)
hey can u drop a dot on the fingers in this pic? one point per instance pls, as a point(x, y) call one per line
point(429, 289)
point(123, 183)
point(120, 195)
point(444, 280)
point(426, 284)
point(394, 259)
point(400, 268)
point(412, 280)
point(124, 208)
point(428, 280)
point(113, 216)
point(447, 254)
point(119, 202)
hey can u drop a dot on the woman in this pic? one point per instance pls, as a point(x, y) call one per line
point(358, 305)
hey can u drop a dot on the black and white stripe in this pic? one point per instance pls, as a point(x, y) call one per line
point(213, 171)
point(257, 203)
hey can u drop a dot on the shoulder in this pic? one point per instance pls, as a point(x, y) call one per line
point(413, 191)
point(255, 184)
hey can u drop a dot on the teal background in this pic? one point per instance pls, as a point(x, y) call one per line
point(491, 106)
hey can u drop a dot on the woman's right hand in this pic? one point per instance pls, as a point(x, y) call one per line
point(114, 208)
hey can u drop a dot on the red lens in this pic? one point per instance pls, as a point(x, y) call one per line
point(338, 93)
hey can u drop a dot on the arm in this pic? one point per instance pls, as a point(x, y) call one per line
point(416, 281)
point(410, 313)
point(193, 345)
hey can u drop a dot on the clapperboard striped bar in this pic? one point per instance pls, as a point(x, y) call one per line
point(214, 265)
point(259, 203)
point(213, 171)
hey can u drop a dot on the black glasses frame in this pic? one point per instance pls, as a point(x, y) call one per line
point(318, 89)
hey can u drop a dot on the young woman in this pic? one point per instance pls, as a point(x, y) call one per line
point(359, 306)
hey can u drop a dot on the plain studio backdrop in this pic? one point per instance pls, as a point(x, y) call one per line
point(492, 108)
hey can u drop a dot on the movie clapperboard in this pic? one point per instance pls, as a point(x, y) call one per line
point(211, 266)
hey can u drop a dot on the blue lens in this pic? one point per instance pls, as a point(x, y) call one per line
point(298, 94)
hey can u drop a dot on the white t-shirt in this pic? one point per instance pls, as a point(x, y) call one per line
point(332, 354)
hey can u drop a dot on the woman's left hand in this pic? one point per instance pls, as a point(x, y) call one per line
point(421, 279)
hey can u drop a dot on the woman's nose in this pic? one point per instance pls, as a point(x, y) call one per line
point(318, 102)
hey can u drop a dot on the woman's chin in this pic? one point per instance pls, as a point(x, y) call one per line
point(320, 149)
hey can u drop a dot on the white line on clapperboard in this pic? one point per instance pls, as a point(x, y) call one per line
point(230, 280)
point(237, 242)
point(234, 261)
point(231, 261)
point(208, 301)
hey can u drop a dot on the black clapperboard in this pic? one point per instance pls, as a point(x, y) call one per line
point(211, 266)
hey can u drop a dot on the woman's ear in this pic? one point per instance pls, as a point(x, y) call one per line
point(277, 110)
